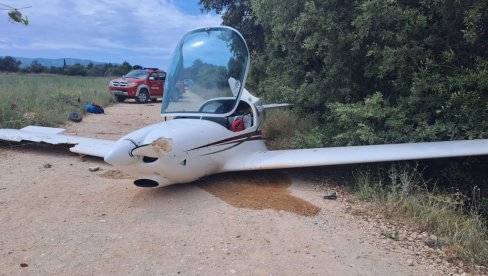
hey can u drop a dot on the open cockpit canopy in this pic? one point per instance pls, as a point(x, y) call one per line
point(207, 64)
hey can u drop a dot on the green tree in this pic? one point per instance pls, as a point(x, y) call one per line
point(240, 15)
point(76, 70)
point(125, 67)
point(9, 64)
point(308, 54)
point(36, 67)
point(425, 60)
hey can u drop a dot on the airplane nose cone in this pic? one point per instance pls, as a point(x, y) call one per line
point(120, 155)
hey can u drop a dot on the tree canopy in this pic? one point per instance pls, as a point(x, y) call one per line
point(10, 64)
point(371, 71)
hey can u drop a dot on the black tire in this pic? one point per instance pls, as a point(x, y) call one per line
point(120, 98)
point(75, 117)
point(143, 96)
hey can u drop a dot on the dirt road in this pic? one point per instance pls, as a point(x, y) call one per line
point(57, 217)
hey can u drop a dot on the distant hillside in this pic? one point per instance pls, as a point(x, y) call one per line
point(54, 62)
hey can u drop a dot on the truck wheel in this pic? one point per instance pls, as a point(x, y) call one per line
point(143, 96)
point(120, 98)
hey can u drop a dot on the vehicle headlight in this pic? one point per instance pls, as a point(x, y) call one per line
point(111, 83)
point(131, 84)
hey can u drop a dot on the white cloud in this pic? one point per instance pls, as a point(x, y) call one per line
point(59, 46)
point(123, 29)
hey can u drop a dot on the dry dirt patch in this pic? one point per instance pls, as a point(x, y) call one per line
point(114, 174)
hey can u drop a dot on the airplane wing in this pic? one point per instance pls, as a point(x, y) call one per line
point(278, 159)
point(82, 145)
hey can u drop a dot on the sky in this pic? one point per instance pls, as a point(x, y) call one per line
point(143, 32)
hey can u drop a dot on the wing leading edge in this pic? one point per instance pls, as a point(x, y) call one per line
point(356, 154)
point(82, 145)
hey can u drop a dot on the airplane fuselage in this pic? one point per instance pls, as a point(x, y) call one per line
point(181, 151)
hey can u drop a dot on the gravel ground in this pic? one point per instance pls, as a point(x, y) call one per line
point(59, 217)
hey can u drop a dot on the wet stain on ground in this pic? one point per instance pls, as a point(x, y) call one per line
point(257, 191)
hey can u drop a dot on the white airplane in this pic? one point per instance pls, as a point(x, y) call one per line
point(214, 125)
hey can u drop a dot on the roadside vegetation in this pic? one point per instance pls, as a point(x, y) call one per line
point(429, 195)
point(47, 100)
point(410, 198)
point(11, 64)
point(376, 72)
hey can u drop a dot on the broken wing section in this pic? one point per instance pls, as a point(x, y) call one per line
point(279, 159)
point(49, 135)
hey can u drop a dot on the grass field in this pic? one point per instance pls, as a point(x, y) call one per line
point(47, 100)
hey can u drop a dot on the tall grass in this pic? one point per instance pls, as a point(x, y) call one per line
point(279, 128)
point(405, 194)
point(47, 100)
point(285, 129)
point(442, 215)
